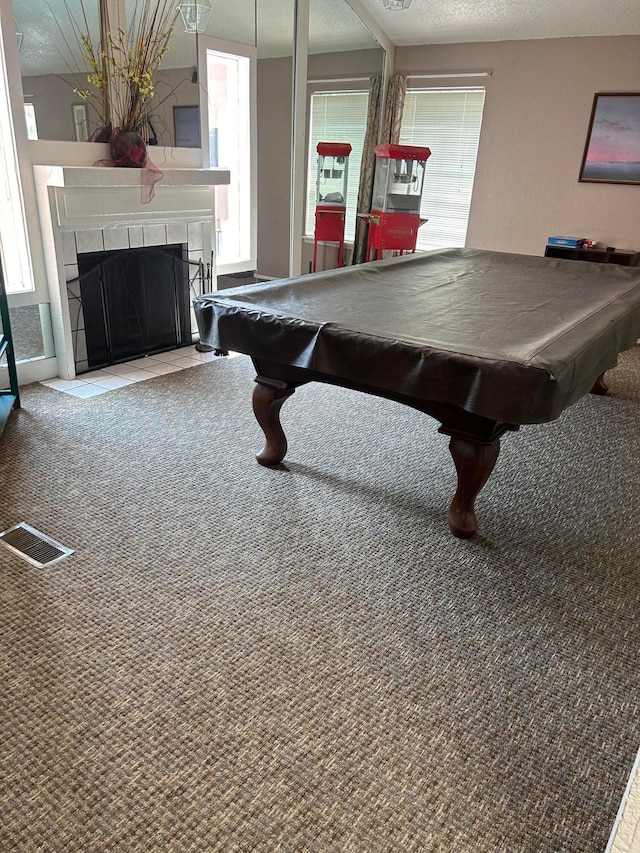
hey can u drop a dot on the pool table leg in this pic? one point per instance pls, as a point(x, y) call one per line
point(474, 463)
point(600, 386)
point(268, 397)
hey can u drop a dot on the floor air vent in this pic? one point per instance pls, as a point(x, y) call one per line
point(34, 547)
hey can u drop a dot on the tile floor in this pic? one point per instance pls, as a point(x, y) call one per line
point(625, 836)
point(119, 375)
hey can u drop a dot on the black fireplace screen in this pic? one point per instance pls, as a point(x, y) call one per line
point(135, 302)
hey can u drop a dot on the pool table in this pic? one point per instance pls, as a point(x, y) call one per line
point(482, 341)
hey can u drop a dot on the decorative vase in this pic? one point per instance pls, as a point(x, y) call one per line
point(101, 134)
point(128, 149)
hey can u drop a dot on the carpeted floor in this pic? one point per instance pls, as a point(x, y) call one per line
point(304, 659)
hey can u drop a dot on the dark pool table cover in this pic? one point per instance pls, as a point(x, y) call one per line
point(514, 338)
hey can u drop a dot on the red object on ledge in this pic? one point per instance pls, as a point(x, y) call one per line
point(402, 152)
point(395, 205)
point(331, 195)
point(394, 231)
point(334, 149)
point(129, 150)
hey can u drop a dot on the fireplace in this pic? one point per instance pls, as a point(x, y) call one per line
point(120, 272)
point(129, 303)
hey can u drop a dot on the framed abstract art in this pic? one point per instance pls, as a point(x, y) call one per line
point(612, 150)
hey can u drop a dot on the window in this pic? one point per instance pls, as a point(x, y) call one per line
point(30, 115)
point(448, 122)
point(337, 117)
point(13, 227)
point(231, 123)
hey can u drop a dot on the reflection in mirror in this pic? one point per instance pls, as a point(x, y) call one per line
point(170, 117)
point(32, 333)
point(341, 51)
point(51, 62)
point(175, 115)
point(343, 59)
point(275, 80)
point(340, 48)
point(52, 66)
point(80, 122)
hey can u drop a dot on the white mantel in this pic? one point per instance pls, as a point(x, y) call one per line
point(104, 196)
point(99, 176)
point(95, 208)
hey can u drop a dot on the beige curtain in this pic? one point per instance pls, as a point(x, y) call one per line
point(390, 132)
point(367, 168)
point(393, 108)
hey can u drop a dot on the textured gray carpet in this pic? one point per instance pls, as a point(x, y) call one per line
point(304, 659)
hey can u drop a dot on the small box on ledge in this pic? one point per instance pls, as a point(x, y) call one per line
point(571, 242)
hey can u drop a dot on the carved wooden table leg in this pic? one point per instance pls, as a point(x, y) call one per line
point(474, 463)
point(268, 397)
point(600, 386)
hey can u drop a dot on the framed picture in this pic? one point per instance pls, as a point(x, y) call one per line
point(80, 122)
point(186, 122)
point(612, 151)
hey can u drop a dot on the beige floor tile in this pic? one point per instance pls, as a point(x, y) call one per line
point(109, 383)
point(86, 390)
point(63, 384)
point(158, 368)
point(136, 375)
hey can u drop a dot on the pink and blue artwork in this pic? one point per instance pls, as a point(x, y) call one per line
point(612, 152)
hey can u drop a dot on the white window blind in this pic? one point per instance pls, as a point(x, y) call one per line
point(337, 117)
point(447, 121)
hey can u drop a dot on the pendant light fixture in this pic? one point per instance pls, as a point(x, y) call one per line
point(396, 5)
point(196, 14)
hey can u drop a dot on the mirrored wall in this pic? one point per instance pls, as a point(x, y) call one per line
point(343, 60)
point(342, 55)
point(52, 64)
point(53, 69)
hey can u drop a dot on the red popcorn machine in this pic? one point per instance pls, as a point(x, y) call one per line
point(395, 204)
point(331, 195)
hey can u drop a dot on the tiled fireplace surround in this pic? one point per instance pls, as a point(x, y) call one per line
point(74, 243)
point(94, 208)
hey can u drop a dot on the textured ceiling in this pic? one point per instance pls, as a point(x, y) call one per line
point(49, 44)
point(450, 21)
point(333, 25)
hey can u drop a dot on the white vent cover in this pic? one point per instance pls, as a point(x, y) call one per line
point(34, 547)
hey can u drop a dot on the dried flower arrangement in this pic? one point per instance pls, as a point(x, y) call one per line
point(122, 66)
